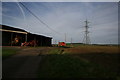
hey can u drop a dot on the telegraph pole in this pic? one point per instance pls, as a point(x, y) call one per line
point(55, 42)
point(86, 39)
point(71, 41)
point(65, 37)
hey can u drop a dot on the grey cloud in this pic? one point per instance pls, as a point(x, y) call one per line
point(70, 18)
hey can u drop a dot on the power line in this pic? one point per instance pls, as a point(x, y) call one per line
point(38, 18)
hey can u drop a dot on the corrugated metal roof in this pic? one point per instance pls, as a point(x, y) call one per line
point(11, 28)
point(17, 30)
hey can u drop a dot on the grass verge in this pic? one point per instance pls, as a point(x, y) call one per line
point(8, 51)
point(66, 66)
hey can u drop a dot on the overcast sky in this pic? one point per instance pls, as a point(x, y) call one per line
point(65, 18)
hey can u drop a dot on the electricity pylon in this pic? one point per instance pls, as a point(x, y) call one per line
point(86, 39)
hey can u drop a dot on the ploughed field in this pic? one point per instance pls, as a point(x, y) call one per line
point(83, 61)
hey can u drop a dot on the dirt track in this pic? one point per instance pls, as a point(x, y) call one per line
point(24, 64)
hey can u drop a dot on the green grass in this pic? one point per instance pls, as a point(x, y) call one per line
point(54, 51)
point(70, 65)
point(8, 51)
point(66, 66)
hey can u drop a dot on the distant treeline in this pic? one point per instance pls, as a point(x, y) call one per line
point(93, 44)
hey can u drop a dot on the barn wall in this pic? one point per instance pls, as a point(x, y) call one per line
point(0, 38)
point(6, 39)
point(9, 37)
point(41, 40)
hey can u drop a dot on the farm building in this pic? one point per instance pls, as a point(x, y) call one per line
point(15, 37)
